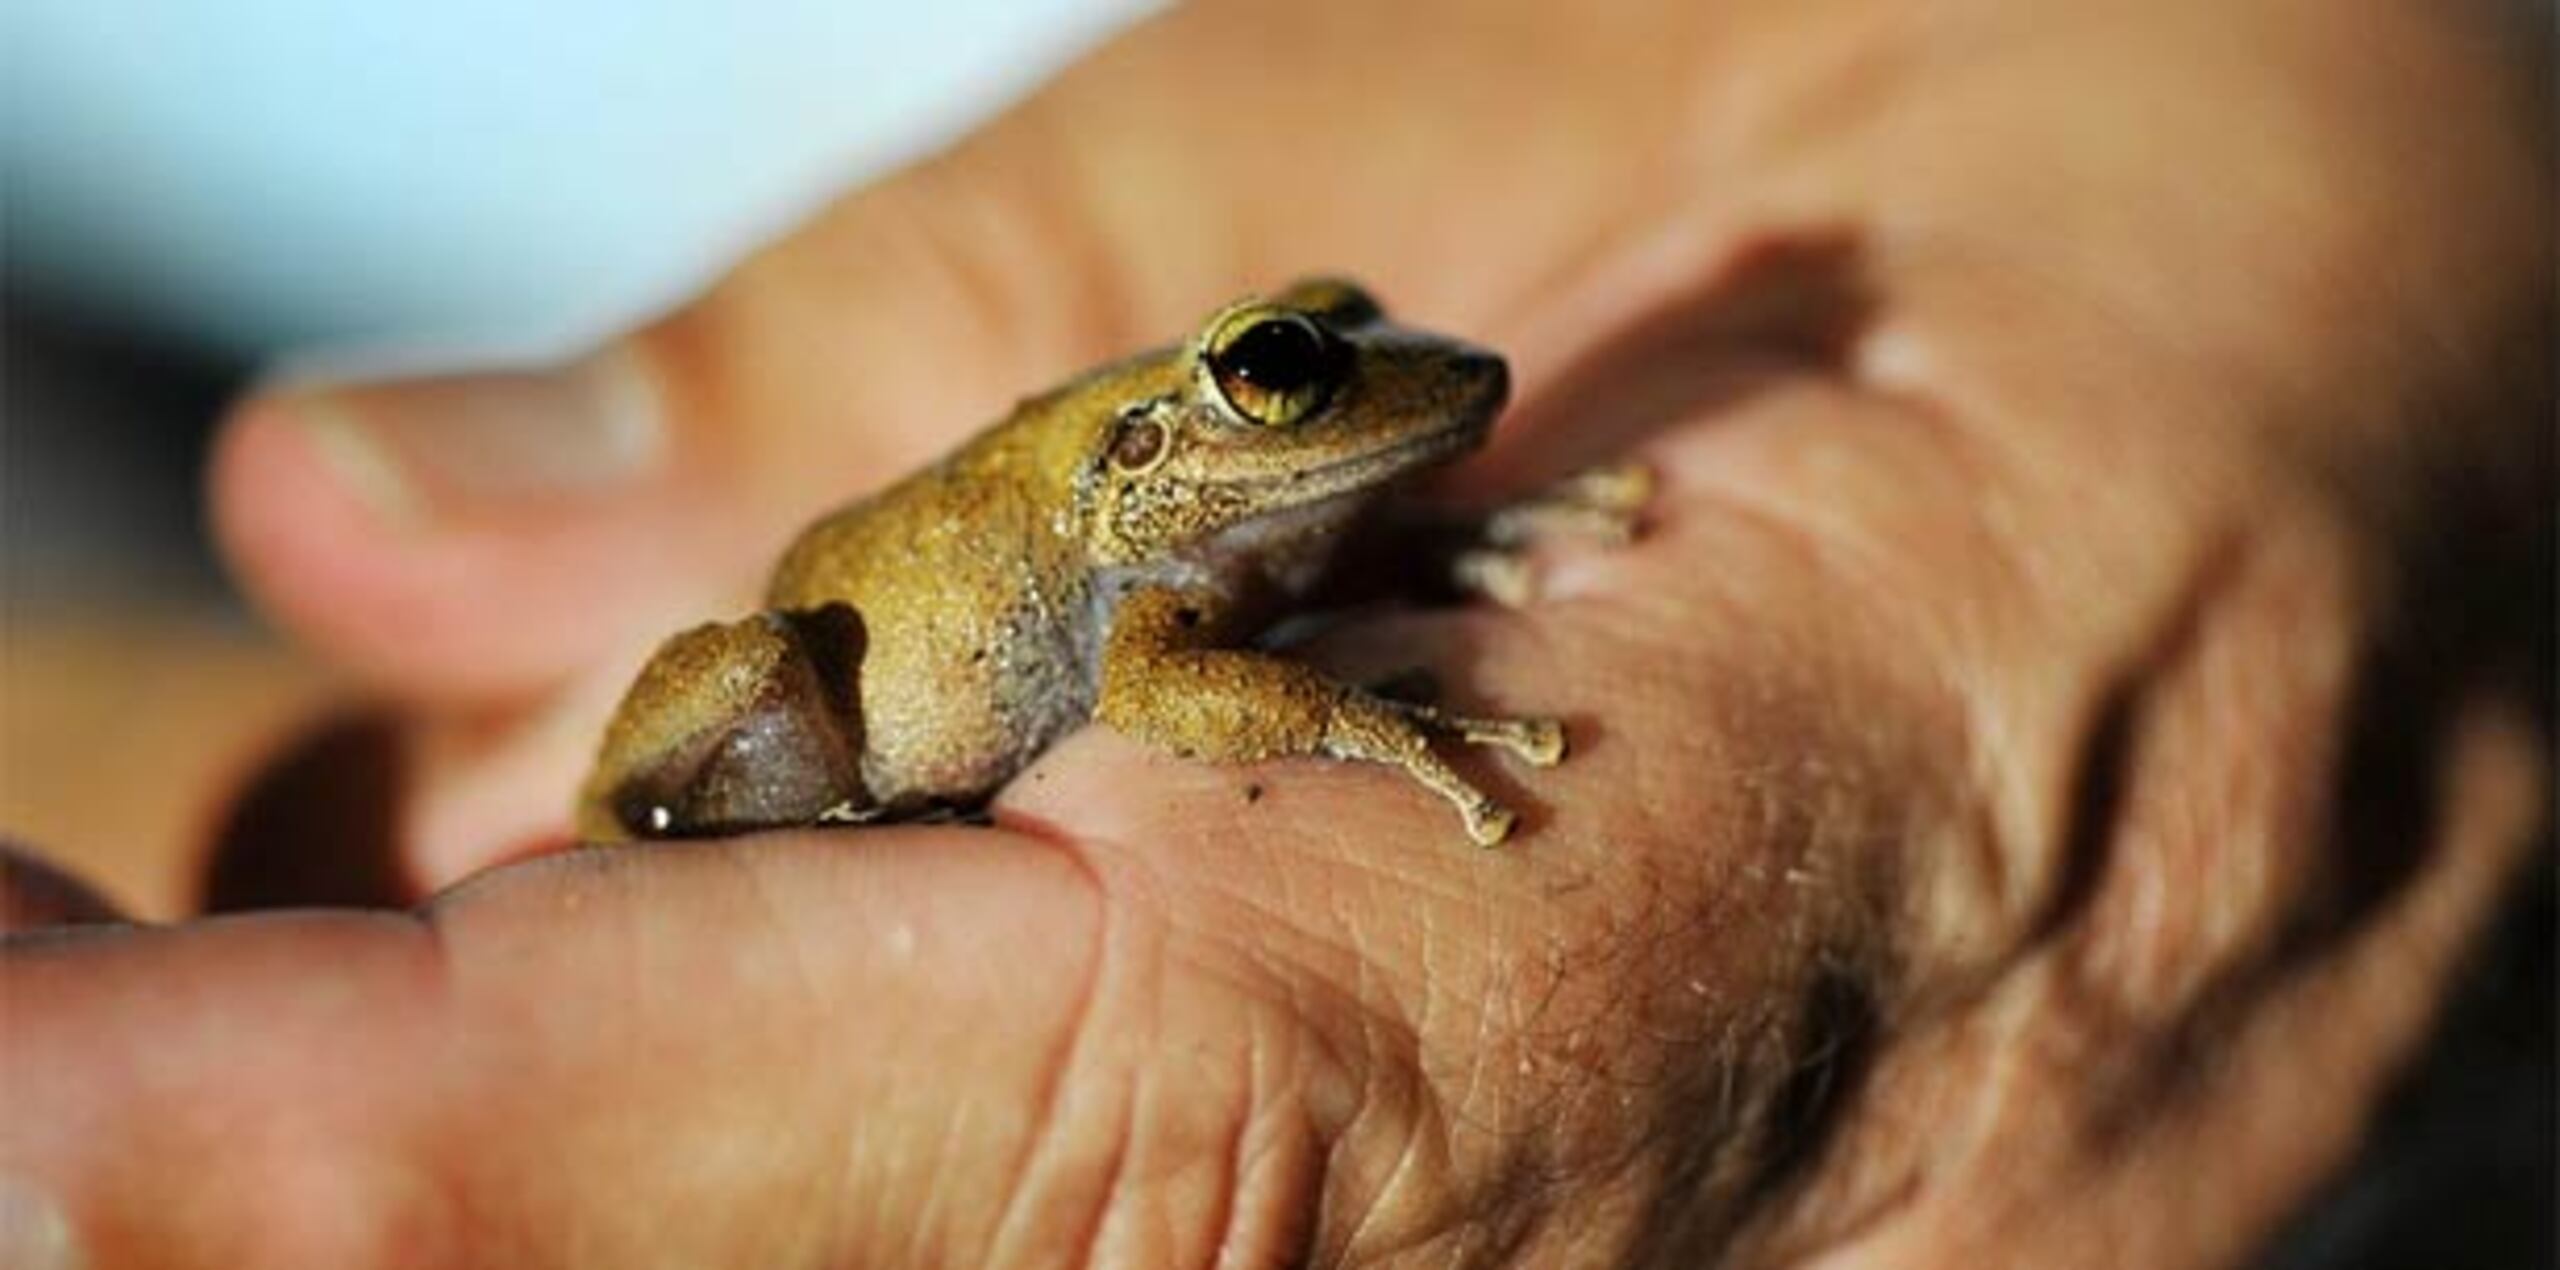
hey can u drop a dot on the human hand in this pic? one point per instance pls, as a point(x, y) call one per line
point(2016, 811)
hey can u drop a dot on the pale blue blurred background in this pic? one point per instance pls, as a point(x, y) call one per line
point(256, 177)
point(200, 190)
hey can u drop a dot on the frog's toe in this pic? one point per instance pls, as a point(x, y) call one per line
point(1488, 822)
point(1501, 575)
point(1537, 742)
point(1623, 488)
point(1541, 742)
point(1604, 504)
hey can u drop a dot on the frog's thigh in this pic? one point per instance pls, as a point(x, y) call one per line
point(1230, 705)
point(734, 726)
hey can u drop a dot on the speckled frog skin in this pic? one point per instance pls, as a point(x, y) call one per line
point(1109, 551)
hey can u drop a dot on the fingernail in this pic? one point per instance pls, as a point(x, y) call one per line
point(34, 1234)
point(438, 449)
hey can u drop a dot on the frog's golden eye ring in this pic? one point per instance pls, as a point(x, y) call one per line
point(1274, 367)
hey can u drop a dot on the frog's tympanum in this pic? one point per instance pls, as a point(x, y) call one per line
point(1111, 551)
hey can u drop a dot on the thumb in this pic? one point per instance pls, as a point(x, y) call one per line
point(465, 535)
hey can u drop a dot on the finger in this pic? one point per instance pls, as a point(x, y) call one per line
point(744, 1056)
point(391, 526)
point(318, 823)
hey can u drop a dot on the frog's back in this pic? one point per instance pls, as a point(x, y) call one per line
point(963, 532)
point(971, 595)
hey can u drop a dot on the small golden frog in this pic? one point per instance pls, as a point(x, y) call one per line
point(1109, 551)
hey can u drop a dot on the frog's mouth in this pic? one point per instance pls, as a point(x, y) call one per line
point(1374, 468)
point(1318, 500)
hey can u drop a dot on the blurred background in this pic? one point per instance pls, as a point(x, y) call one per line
point(200, 193)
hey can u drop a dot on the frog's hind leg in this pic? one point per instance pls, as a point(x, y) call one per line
point(736, 726)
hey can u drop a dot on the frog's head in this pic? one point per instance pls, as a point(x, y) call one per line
point(1284, 410)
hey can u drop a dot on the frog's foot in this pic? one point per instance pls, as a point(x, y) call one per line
point(1375, 730)
point(1603, 504)
point(1367, 729)
point(850, 812)
point(1234, 705)
point(1500, 574)
point(1537, 742)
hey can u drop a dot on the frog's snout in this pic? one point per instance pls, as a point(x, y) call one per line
point(1483, 383)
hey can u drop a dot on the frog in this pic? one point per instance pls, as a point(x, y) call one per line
point(1115, 550)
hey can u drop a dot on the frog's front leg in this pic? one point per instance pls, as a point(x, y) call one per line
point(1164, 684)
point(1602, 503)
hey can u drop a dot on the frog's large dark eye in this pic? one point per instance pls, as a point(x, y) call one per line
point(1275, 368)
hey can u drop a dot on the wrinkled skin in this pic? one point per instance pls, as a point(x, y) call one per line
point(2065, 723)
